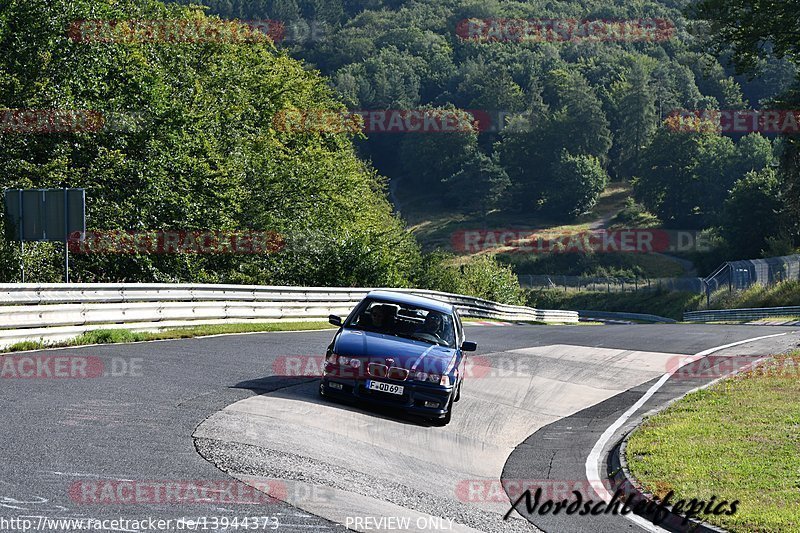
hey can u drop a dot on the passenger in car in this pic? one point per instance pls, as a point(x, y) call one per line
point(382, 316)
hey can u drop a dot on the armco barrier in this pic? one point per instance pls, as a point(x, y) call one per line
point(625, 316)
point(715, 315)
point(56, 312)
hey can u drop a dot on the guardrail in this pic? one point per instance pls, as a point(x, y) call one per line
point(626, 316)
point(56, 311)
point(715, 315)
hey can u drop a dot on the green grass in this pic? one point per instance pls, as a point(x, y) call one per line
point(670, 304)
point(778, 295)
point(595, 265)
point(777, 319)
point(738, 440)
point(115, 336)
point(433, 223)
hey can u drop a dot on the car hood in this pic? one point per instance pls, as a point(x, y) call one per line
point(406, 353)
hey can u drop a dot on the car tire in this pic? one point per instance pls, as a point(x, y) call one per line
point(458, 391)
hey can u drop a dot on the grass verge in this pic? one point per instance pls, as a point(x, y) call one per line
point(115, 336)
point(665, 303)
point(670, 304)
point(737, 440)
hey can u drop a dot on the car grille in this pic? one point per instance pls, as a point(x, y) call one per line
point(400, 374)
point(382, 371)
point(377, 370)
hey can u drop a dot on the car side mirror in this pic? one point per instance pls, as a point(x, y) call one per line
point(469, 346)
point(335, 320)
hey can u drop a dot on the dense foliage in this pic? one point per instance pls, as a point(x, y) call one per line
point(757, 32)
point(588, 111)
point(202, 154)
point(190, 142)
point(193, 143)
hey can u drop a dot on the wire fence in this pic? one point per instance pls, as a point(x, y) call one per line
point(731, 276)
point(740, 275)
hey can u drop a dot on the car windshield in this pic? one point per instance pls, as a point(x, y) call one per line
point(404, 320)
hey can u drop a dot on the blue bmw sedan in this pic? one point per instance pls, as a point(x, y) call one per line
point(398, 350)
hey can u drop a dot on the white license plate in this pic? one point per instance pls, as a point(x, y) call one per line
point(385, 387)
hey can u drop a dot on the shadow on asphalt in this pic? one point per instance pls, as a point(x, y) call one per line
point(307, 390)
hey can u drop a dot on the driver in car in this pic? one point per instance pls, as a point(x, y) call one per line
point(432, 325)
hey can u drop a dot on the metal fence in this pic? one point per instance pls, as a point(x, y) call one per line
point(582, 283)
point(733, 275)
point(740, 275)
point(59, 311)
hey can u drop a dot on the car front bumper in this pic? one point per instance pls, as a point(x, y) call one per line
point(412, 401)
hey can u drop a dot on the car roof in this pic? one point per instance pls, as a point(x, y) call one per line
point(419, 301)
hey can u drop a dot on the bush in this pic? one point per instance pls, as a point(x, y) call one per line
point(481, 277)
point(485, 278)
point(634, 215)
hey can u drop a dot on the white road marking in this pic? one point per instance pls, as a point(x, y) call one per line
point(593, 461)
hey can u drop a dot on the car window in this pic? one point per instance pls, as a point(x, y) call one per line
point(404, 320)
point(459, 329)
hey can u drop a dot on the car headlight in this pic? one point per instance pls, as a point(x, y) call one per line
point(433, 378)
point(352, 362)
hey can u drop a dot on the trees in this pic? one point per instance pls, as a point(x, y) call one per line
point(685, 177)
point(748, 25)
point(206, 154)
point(752, 212)
point(479, 185)
point(532, 156)
point(756, 30)
point(681, 174)
point(635, 118)
point(429, 159)
point(576, 185)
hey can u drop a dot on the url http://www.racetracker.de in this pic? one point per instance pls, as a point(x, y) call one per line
point(198, 523)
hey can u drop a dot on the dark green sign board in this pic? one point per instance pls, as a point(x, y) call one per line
point(44, 214)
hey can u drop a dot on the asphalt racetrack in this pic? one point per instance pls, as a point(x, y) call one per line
point(211, 429)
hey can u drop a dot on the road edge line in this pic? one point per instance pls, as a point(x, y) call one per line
point(592, 469)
